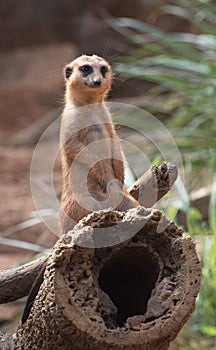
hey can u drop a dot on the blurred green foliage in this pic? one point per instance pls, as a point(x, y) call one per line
point(182, 67)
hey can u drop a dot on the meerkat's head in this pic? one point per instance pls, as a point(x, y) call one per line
point(88, 80)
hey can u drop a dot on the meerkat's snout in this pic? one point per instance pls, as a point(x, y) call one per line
point(97, 81)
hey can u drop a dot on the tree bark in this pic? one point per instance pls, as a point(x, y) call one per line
point(98, 294)
point(153, 185)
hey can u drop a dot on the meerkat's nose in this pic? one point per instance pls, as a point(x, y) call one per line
point(97, 82)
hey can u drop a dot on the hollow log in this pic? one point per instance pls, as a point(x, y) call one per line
point(116, 281)
point(154, 184)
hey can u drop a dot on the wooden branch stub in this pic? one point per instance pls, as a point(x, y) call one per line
point(154, 184)
point(16, 283)
point(133, 295)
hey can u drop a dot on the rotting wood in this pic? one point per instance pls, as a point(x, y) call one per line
point(133, 295)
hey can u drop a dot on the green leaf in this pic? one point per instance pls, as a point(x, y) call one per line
point(209, 330)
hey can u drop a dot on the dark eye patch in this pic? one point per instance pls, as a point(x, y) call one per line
point(68, 72)
point(86, 69)
point(104, 70)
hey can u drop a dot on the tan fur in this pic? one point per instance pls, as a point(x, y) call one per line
point(90, 147)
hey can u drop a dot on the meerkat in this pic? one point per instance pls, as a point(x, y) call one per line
point(91, 154)
point(92, 159)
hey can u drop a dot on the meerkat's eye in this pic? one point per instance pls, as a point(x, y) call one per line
point(68, 72)
point(104, 70)
point(86, 69)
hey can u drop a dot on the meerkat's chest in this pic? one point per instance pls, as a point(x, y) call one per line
point(96, 132)
point(89, 124)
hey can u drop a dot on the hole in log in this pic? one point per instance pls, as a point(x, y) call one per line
point(129, 277)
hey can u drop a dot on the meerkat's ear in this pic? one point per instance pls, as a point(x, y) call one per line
point(68, 71)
